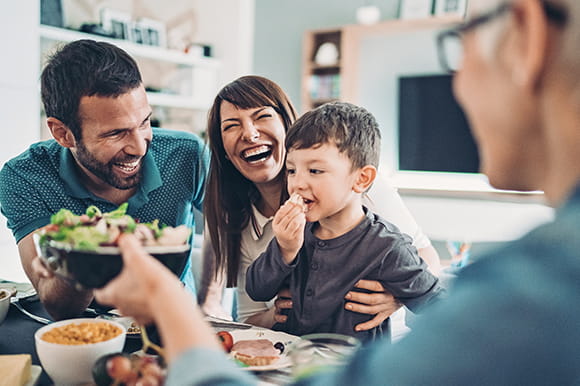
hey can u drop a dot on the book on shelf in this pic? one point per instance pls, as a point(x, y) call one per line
point(323, 87)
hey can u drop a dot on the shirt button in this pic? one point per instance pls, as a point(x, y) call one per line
point(314, 266)
point(321, 243)
point(309, 292)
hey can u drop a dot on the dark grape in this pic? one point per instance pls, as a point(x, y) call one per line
point(279, 346)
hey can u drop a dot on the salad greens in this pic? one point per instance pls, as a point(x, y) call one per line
point(95, 229)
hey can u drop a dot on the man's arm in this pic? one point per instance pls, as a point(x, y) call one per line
point(59, 297)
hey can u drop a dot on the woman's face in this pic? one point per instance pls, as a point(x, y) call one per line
point(254, 141)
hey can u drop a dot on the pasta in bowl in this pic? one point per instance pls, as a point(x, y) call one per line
point(76, 341)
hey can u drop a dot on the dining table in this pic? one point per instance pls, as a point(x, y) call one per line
point(17, 337)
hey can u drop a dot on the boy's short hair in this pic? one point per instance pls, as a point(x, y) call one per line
point(353, 130)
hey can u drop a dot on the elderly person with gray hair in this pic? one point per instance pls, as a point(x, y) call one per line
point(513, 315)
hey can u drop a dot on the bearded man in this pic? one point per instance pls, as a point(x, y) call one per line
point(103, 153)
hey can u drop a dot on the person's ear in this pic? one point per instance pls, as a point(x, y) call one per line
point(529, 44)
point(366, 176)
point(60, 132)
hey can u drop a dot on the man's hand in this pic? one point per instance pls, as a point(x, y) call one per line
point(288, 226)
point(39, 269)
point(381, 304)
point(60, 298)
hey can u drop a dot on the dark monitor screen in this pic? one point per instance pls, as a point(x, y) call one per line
point(433, 132)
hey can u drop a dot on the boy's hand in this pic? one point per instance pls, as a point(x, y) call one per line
point(288, 226)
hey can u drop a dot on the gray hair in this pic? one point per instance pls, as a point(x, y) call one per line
point(569, 59)
point(571, 37)
point(489, 36)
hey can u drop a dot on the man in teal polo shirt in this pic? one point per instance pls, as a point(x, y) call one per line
point(104, 153)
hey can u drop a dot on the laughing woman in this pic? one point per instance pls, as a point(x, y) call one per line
point(247, 184)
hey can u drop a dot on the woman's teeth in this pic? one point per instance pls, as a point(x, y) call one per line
point(257, 153)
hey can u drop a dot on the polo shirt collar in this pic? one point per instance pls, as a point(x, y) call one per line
point(69, 174)
point(259, 221)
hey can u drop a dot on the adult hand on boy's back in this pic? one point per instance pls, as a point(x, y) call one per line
point(379, 303)
point(288, 226)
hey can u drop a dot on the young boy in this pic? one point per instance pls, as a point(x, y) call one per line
point(326, 240)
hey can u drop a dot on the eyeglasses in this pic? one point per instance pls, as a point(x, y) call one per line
point(450, 41)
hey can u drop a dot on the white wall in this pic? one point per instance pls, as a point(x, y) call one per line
point(18, 77)
point(229, 27)
point(19, 101)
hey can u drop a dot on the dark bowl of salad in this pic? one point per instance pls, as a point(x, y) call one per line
point(83, 248)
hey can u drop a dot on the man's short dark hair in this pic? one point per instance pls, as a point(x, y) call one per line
point(351, 128)
point(85, 68)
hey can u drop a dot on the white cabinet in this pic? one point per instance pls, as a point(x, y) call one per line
point(181, 86)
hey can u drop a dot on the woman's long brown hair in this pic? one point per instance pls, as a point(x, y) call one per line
point(229, 195)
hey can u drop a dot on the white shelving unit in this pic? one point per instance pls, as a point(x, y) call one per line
point(202, 71)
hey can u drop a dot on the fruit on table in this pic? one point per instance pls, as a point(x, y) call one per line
point(226, 340)
point(126, 369)
point(279, 346)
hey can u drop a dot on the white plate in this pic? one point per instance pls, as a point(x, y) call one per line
point(272, 336)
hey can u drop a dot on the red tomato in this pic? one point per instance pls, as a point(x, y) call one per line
point(226, 339)
point(51, 228)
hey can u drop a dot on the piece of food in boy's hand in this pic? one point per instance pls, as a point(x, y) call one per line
point(297, 199)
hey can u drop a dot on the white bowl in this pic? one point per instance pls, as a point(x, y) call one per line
point(72, 364)
point(4, 303)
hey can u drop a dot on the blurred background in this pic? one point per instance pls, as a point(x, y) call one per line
point(380, 54)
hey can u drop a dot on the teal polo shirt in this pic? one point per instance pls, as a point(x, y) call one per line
point(45, 178)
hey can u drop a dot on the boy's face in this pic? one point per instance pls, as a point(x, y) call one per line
point(324, 178)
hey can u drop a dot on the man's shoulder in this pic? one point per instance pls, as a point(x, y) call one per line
point(39, 155)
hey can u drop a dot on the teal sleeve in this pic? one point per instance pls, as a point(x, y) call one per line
point(202, 366)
